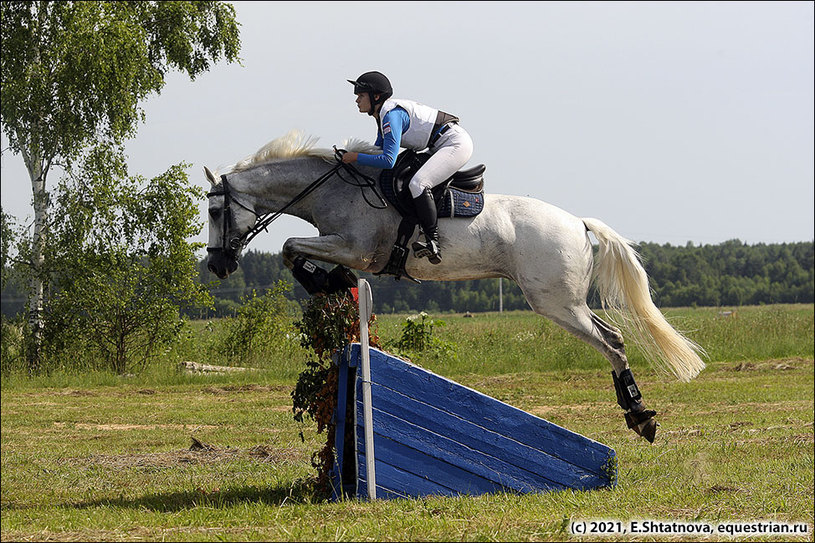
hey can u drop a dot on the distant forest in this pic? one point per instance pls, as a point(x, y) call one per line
point(728, 274)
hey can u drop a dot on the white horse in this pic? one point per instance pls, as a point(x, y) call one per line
point(544, 249)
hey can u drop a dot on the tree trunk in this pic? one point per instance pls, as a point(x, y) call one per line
point(37, 292)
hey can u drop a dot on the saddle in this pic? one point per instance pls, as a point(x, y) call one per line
point(461, 195)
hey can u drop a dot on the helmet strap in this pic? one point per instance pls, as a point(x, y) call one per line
point(374, 103)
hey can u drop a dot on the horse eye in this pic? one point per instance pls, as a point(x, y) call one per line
point(214, 213)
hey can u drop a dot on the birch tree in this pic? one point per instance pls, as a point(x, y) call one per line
point(75, 73)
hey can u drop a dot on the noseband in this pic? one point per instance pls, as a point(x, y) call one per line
point(233, 246)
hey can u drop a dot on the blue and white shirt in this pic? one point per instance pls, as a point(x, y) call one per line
point(403, 123)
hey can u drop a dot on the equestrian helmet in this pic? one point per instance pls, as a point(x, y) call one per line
point(373, 83)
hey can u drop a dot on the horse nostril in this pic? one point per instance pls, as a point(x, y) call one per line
point(211, 268)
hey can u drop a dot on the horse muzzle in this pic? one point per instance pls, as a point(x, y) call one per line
point(221, 263)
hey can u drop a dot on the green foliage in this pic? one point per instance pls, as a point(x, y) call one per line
point(119, 264)
point(74, 73)
point(329, 323)
point(262, 326)
point(731, 273)
point(418, 337)
point(6, 240)
point(11, 344)
point(417, 333)
point(73, 76)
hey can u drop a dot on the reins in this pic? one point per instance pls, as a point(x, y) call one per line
point(263, 221)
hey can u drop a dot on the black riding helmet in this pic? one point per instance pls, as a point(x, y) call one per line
point(373, 83)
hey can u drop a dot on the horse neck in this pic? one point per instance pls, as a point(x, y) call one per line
point(274, 185)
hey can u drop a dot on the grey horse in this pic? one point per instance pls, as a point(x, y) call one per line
point(544, 249)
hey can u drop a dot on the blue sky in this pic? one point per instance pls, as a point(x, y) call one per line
point(671, 122)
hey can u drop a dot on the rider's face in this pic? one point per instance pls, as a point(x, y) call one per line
point(364, 102)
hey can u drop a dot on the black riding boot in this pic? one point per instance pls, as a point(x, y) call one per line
point(428, 220)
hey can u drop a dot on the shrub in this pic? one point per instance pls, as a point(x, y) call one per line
point(329, 323)
point(261, 328)
point(11, 345)
point(119, 266)
point(417, 337)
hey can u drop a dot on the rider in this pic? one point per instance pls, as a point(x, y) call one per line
point(408, 124)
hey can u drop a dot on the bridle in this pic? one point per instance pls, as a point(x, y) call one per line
point(233, 246)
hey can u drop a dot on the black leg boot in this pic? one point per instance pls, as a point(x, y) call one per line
point(638, 418)
point(428, 220)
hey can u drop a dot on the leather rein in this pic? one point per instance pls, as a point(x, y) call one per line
point(236, 244)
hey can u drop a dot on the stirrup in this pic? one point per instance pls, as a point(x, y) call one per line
point(430, 250)
point(396, 264)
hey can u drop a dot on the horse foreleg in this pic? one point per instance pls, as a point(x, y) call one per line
point(329, 248)
point(314, 279)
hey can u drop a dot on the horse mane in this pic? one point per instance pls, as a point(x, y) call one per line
point(296, 144)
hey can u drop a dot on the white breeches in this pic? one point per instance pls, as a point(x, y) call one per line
point(452, 151)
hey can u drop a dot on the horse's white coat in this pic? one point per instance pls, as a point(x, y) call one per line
point(544, 249)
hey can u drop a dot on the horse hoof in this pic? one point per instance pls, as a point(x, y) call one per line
point(648, 429)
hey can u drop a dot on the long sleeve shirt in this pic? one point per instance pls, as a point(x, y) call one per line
point(394, 124)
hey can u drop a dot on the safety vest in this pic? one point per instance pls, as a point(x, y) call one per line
point(422, 120)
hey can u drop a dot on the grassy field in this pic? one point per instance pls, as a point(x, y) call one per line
point(105, 457)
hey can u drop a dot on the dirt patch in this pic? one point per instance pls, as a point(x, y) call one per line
point(544, 411)
point(127, 427)
point(689, 431)
point(71, 392)
point(721, 489)
point(717, 409)
point(508, 380)
point(127, 391)
point(137, 533)
point(782, 364)
point(737, 425)
point(803, 439)
point(211, 455)
point(228, 389)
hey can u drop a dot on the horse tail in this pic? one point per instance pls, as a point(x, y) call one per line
point(623, 287)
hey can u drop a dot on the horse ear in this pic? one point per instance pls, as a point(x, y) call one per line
point(210, 176)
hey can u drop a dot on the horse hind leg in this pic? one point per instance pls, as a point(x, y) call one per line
point(586, 325)
point(637, 417)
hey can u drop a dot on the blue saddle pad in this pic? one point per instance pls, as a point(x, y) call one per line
point(458, 203)
point(452, 204)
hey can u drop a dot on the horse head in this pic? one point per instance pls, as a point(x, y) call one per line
point(229, 223)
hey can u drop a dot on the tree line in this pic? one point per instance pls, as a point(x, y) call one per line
point(731, 273)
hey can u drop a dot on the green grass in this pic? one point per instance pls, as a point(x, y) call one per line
point(520, 341)
point(102, 457)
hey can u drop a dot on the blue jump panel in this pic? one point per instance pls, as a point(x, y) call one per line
point(435, 436)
